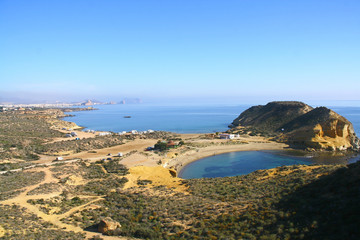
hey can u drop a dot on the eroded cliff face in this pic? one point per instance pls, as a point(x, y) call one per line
point(333, 134)
point(319, 128)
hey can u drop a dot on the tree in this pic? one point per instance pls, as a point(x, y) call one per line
point(161, 146)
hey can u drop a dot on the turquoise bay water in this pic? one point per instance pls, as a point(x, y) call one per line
point(237, 163)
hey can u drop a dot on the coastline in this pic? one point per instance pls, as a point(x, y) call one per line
point(176, 159)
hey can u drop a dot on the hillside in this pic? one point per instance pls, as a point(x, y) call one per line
point(94, 188)
point(291, 202)
point(272, 116)
point(299, 125)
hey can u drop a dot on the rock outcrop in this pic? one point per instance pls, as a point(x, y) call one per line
point(107, 225)
point(300, 125)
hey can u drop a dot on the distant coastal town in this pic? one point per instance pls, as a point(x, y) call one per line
point(6, 106)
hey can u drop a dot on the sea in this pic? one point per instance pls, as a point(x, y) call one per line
point(142, 117)
point(202, 119)
point(179, 119)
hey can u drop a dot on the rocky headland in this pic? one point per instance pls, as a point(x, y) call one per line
point(298, 125)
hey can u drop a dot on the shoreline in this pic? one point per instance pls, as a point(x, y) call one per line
point(254, 144)
point(220, 146)
point(177, 159)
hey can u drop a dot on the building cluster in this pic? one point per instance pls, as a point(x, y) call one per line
point(10, 109)
point(135, 132)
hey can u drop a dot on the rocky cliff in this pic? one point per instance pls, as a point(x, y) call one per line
point(299, 125)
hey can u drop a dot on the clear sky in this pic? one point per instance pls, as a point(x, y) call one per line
point(180, 49)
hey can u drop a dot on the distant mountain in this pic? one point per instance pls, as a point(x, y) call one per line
point(299, 125)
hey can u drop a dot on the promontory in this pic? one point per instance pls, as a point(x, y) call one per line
point(299, 125)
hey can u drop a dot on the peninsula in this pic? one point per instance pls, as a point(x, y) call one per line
point(298, 125)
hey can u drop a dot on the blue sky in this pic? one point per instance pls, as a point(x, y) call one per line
point(155, 50)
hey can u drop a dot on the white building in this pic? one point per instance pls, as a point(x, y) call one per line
point(104, 133)
point(227, 136)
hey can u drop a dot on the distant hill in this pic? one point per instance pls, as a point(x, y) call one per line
point(299, 125)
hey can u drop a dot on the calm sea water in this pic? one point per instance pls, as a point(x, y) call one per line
point(237, 163)
point(180, 119)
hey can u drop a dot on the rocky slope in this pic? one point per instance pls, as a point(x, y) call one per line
point(272, 116)
point(299, 125)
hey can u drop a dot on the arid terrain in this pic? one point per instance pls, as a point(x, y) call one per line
point(57, 187)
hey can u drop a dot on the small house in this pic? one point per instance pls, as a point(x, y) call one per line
point(73, 134)
point(59, 158)
point(227, 136)
point(119, 154)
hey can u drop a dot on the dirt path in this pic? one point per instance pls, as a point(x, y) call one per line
point(22, 199)
point(55, 219)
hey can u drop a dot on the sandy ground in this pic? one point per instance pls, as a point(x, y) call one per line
point(80, 134)
point(158, 176)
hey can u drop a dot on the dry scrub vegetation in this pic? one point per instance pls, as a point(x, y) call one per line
point(261, 205)
point(291, 202)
